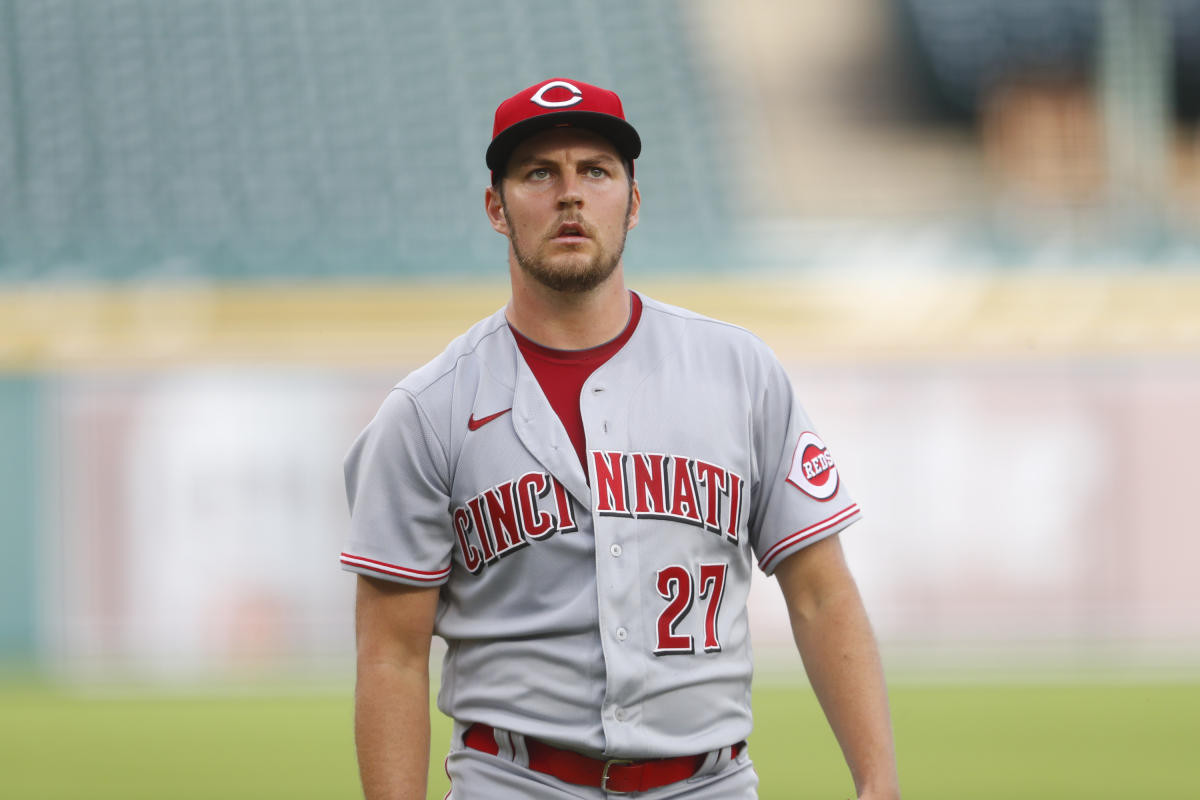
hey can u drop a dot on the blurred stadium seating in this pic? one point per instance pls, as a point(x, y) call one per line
point(197, 140)
point(967, 48)
point(317, 139)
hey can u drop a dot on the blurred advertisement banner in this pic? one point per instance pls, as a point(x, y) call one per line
point(201, 517)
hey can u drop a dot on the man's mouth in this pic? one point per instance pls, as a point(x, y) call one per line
point(570, 232)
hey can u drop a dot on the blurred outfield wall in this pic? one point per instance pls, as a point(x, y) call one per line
point(1026, 481)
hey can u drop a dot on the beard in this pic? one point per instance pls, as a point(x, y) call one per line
point(569, 272)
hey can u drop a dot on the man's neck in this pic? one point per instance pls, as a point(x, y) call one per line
point(569, 320)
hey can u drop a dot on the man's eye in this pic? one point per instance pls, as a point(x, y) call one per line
point(540, 174)
point(597, 172)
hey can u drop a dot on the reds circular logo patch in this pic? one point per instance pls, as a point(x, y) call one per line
point(813, 471)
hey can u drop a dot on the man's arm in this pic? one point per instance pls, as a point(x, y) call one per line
point(394, 627)
point(840, 655)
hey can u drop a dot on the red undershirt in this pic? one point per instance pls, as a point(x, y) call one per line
point(562, 373)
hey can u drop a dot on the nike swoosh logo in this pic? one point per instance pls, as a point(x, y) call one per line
point(475, 424)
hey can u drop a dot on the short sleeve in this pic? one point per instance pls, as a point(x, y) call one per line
point(397, 487)
point(801, 497)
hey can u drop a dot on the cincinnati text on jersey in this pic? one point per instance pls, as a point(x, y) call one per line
point(659, 486)
point(505, 518)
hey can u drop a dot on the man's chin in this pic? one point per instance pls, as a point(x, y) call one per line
point(570, 277)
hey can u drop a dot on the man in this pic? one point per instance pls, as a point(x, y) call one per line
point(573, 495)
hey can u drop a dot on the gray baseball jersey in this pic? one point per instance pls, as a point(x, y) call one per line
point(603, 612)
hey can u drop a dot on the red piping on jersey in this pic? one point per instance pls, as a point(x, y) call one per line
point(801, 535)
point(393, 569)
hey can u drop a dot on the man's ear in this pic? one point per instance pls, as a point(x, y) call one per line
point(635, 205)
point(493, 204)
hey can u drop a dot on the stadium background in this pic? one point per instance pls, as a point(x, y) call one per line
point(971, 230)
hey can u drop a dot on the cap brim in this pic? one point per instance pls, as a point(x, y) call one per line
point(615, 129)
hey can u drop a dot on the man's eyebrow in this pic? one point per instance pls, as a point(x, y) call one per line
point(528, 160)
point(532, 160)
point(601, 158)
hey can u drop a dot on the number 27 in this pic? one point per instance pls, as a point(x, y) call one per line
point(674, 584)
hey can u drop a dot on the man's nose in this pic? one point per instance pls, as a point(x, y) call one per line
point(569, 194)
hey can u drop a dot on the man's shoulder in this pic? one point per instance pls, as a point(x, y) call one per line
point(483, 341)
point(703, 329)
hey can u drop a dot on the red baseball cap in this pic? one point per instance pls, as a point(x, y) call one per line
point(560, 102)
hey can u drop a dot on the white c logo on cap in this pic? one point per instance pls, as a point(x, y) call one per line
point(577, 96)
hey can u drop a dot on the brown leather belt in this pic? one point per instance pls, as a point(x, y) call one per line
point(616, 775)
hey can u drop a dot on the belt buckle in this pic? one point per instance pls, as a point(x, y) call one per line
point(604, 775)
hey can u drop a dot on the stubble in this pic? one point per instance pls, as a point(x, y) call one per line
point(566, 273)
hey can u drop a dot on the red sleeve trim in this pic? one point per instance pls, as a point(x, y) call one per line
point(766, 563)
point(395, 570)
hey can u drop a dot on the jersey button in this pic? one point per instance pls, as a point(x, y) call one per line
point(622, 634)
point(615, 550)
point(619, 715)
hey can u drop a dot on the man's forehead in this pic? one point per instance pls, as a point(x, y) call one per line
point(549, 142)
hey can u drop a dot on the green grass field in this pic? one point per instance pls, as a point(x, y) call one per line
point(1122, 741)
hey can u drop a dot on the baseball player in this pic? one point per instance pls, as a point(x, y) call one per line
point(574, 495)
